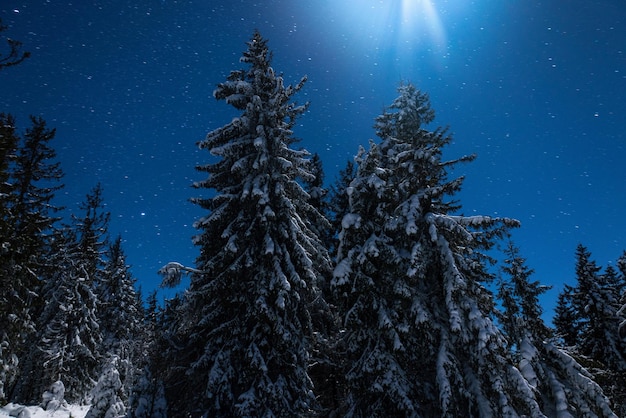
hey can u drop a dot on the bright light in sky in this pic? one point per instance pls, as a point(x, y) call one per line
point(418, 14)
point(400, 25)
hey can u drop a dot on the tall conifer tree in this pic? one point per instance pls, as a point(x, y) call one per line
point(419, 336)
point(31, 177)
point(246, 331)
point(9, 303)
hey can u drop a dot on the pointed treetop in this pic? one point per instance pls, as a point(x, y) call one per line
point(407, 114)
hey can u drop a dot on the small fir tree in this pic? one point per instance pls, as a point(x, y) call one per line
point(520, 300)
point(107, 402)
point(92, 232)
point(54, 397)
point(566, 320)
point(147, 398)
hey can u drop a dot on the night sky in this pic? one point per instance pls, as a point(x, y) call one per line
point(536, 89)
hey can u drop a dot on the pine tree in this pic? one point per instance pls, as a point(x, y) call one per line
point(619, 384)
point(8, 153)
point(147, 398)
point(563, 386)
point(11, 328)
point(107, 402)
point(566, 320)
point(246, 331)
point(419, 337)
point(613, 353)
point(69, 343)
point(522, 311)
point(35, 179)
point(30, 178)
point(147, 394)
point(14, 315)
point(621, 265)
point(36, 176)
point(119, 312)
point(92, 232)
point(54, 397)
point(596, 301)
point(70, 339)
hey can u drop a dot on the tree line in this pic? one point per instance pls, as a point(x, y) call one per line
point(372, 297)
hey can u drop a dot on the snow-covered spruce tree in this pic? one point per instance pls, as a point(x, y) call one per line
point(597, 304)
point(14, 316)
point(147, 398)
point(106, 401)
point(246, 330)
point(564, 388)
point(36, 177)
point(11, 329)
point(613, 377)
point(147, 394)
point(54, 397)
point(566, 321)
point(70, 337)
point(29, 179)
point(419, 338)
point(119, 306)
point(520, 299)
point(69, 342)
point(621, 265)
point(92, 232)
point(119, 314)
point(619, 395)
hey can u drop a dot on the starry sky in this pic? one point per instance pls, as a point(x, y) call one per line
point(535, 89)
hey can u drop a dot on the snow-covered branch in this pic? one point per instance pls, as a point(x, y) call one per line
point(173, 272)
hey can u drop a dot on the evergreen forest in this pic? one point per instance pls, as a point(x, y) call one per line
point(369, 296)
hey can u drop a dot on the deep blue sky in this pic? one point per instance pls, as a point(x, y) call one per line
point(536, 89)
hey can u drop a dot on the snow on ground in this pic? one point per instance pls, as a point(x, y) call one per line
point(13, 410)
